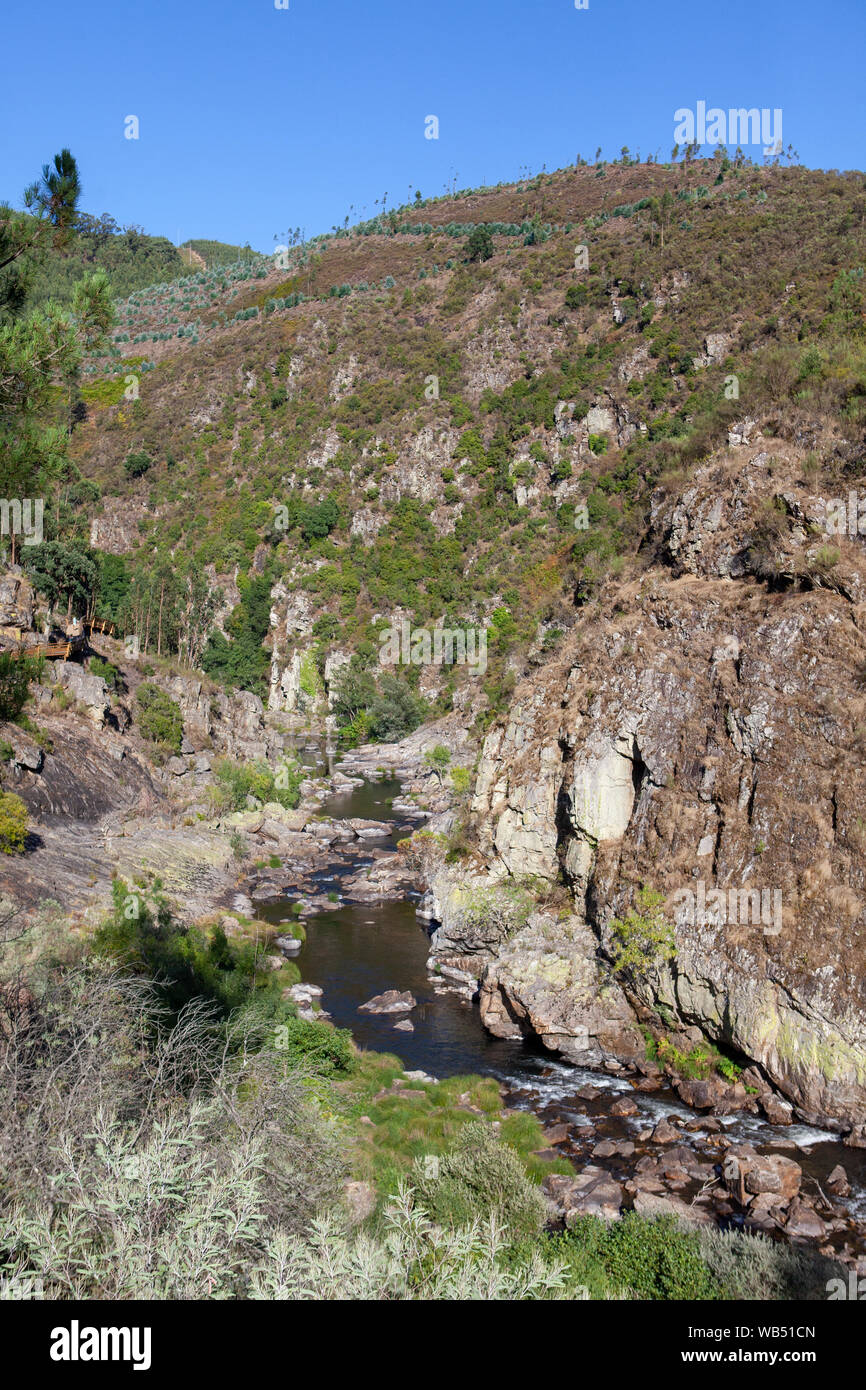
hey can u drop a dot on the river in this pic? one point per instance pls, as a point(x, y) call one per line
point(355, 952)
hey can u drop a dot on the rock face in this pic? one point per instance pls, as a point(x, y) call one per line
point(234, 723)
point(696, 737)
point(89, 691)
point(16, 603)
point(546, 983)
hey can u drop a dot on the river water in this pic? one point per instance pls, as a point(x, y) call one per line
point(355, 952)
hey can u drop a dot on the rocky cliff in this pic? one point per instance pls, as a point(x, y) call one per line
point(702, 729)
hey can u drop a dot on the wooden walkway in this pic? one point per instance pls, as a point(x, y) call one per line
point(67, 647)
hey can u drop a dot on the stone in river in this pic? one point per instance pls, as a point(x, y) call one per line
point(664, 1133)
point(404, 1026)
point(838, 1183)
point(803, 1222)
point(555, 1134)
point(624, 1106)
point(391, 1002)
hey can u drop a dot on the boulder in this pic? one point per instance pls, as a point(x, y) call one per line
point(838, 1183)
point(803, 1222)
point(360, 1201)
point(592, 1193)
point(713, 1094)
point(652, 1205)
point(292, 820)
point(777, 1111)
point(748, 1175)
point(25, 751)
point(89, 691)
point(391, 1002)
point(665, 1133)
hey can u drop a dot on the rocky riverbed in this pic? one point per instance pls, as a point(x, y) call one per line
point(529, 1008)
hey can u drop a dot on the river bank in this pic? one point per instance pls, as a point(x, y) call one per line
point(631, 1139)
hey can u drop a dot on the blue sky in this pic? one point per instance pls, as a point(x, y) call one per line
point(254, 119)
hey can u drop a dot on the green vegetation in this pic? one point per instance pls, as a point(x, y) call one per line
point(190, 963)
point(109, 673)
point(381, 710)
point(239, 659)
point(479, 245)
point(41, 347)
point(235, 782)
point(159, 718)
point(13, 823)
point(165, 1063)
point(643, 938)
point(16, 673)
point(480, 1177)
point(136, 464)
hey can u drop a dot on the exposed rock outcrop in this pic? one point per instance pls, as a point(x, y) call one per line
point(698, 737)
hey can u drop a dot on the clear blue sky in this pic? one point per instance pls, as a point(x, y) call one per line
point(254, 119)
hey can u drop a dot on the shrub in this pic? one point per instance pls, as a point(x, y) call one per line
point(236, 781)
point(479, 244)
point(480, 1177)
point(645, 937)
point(159, 718)
point(183, 1163)
point(394, 711)
point(437, 759)
point(110, 674)
point(328, 1051)
point(13, 823)
point(652, 1259)
point(413, 1260)
point(16, 674)
point(755, 1267)
point(137, 464)
point(461, 780)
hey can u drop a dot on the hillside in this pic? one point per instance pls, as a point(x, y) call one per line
point(266, 394)
point(541, 502)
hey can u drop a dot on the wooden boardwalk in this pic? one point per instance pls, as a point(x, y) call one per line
point(69, 646)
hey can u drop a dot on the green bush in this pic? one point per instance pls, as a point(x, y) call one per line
point(236, 781)
point(110, 674)
point(645, 937)
point(479, 244)
point(159, 718)
point(395, 711)
point(480, 1177)
point(13, 823)
point(652, 1259)
point(327, 1050)
point(16, 674)
point(135, 465)
point(190, 962)
point(756, 1267)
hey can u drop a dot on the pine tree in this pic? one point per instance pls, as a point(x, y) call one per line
point(40, 350)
